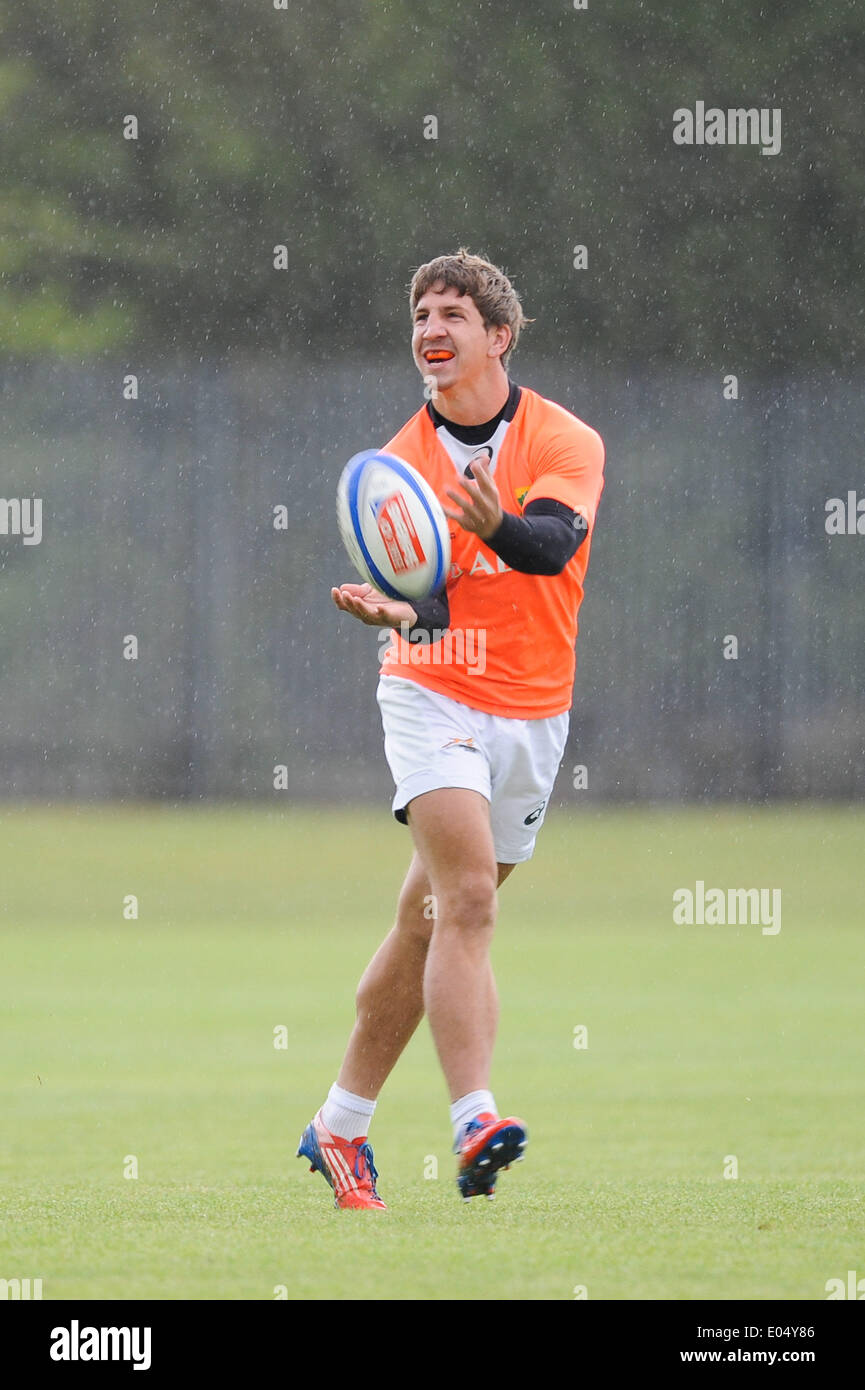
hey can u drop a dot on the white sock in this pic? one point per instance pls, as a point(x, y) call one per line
point(468, 1107)
point(346, 1115)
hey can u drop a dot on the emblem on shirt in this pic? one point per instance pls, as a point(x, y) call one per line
point(520, 495)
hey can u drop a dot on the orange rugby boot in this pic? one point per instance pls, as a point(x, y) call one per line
point(346, 1164)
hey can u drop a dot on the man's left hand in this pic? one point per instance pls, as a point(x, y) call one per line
point(480, 509)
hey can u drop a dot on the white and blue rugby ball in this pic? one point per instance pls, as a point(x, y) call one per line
point(392, 525)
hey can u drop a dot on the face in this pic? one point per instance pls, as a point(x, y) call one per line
point(449, 341)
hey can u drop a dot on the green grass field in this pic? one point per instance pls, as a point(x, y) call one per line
point(154, 1038)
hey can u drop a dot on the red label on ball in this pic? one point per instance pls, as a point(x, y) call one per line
point(401, 540)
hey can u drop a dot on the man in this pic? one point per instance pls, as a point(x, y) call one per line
point(474, 738)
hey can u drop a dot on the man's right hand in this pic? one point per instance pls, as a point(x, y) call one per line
point(372, 607)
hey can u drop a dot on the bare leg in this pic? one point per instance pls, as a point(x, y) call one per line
point(451, 828)
point(390, 996)
point(390, 993)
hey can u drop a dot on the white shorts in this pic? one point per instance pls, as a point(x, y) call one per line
point(431, 741)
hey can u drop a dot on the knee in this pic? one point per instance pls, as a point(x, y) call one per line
point(469, 901)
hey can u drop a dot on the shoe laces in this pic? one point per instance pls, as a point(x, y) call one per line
point(470, 1128)
point(364, 1152)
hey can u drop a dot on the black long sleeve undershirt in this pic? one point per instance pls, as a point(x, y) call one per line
point(542, 541)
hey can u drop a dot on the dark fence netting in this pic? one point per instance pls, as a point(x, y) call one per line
point(722, 643)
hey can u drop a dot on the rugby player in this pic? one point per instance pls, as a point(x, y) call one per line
point(475, 692)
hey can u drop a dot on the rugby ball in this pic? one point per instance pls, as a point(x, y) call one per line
point(392, 525)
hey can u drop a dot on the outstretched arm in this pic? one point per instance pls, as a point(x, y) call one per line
point(371, 606)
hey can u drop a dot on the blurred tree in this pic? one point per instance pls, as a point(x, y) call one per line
point(304, 127)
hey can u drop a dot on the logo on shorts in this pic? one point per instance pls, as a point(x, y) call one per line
point(533, 815)
point(462, 743)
